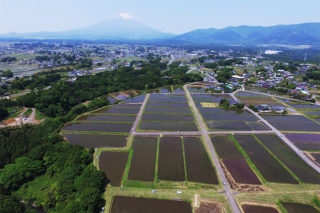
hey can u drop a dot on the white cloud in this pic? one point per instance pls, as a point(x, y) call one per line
point(126, 16)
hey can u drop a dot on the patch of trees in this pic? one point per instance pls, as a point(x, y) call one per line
point(61, 97)
point(29, 153)
point(7, 73)
point(8, 59)
point(314, 74)
point(224, 75)
point(42, 58)
point(35, 82)
point(211, 65)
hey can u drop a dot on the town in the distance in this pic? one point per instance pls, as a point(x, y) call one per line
point(100, 113)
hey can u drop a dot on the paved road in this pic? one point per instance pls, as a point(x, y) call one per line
point(287, 141)
point(204, 132)
point(136, 122)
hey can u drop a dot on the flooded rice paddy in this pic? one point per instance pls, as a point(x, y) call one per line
point(113, 164)
point(199, 167)
point(268, 166)
point(98, 127)
point(96, 141)
point(143, 159)
point(290, 159)
point(171, 163)
point(122, 204)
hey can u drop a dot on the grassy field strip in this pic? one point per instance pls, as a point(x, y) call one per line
point(279, 161)
point(248, 160)
point(184, 160)
point(157, 160)
point(126, 170)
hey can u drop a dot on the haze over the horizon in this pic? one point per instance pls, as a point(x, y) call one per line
point(177, 16)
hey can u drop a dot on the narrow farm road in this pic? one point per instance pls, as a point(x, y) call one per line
point(136, 122)
point(205, 134)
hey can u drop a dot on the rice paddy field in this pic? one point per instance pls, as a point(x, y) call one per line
point(96, 141)
point(167, 112)
point(169, 158)
point(258, 209)
point(292, 123)
point(234, 161)
point(298, 208)
point(113, 164)
point(310, 110)
point(122, 204)
point(268, 166)
point(151, 171)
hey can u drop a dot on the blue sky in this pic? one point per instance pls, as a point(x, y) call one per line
point(174, 16)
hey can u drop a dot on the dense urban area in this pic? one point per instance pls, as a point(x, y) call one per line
point(107, 127)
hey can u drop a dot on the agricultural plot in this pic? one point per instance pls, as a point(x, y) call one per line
point(292, 123)
point(268, 166)
point(163, 104)
point(249, 94)
point(143, 159)
point(258, 209)
point(232, 116)
point(122, 204)
point(298, 208)
point(316, 157)
point(111, 99)
point(235, 125)
point(178, 90)
point(113, 164)
point(98, 127)
point(199, 167)
point(165, 126)
point(196, 90)
point(126, 106)
point(96, 141)
point(168, 98)
point(165, 117)
point(136, 99)
point(209, 98)
point(171, 162)
point(209, 208)
point(171, 110)
point(307, 142)
point(234, 161)
point(116, 110)
point(258, 101)
point(166, 90)
point(305, 106)
point(107, 118)
point(290, 159)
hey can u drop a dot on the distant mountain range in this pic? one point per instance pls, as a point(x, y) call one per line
point(117, 29)
point(120, 29)
point(297, 34)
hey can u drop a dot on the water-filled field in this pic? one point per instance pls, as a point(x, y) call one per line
point(143, 159)
point(116, 110)
point(196, 90)
point(178, 90)
point(113, 164)
point(293, 123)
point(164, 104)
point(298, 208)
point(165, 117)
point(290, 159)
point(233, 160)
point(98, 127)
point(249, 94)
point(268, 166)
point(121, 204)
point(183, 110)
point(106, 118)
point(171, 163)
point(199, 167)
point(306, 106)
point(168, 98)
point(96, 141)
point(136, 99)
point(231, 117)
point(235, 125)
point(125, 106)
point(163, 126)
point(258, 209)
point(305, 141)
